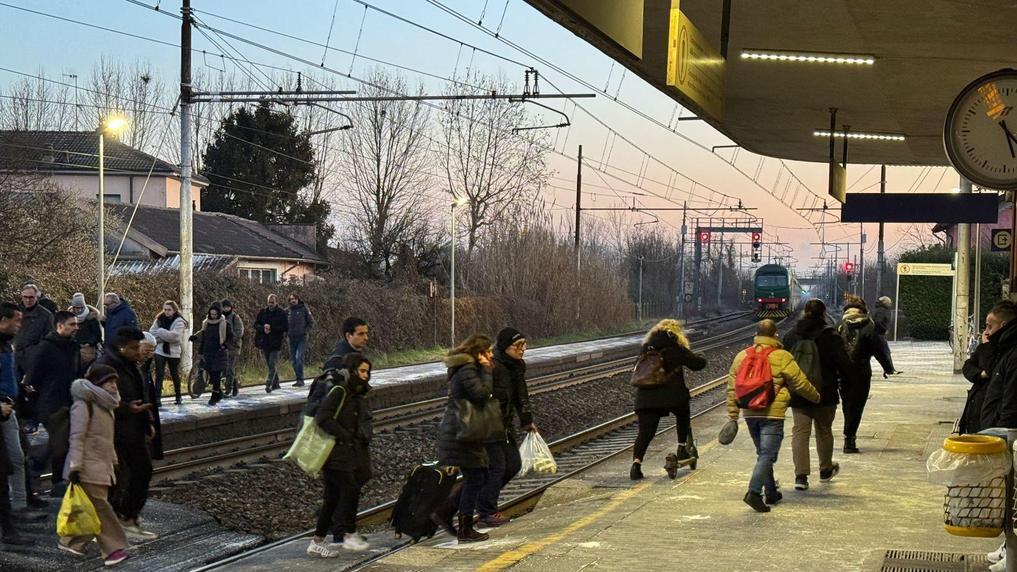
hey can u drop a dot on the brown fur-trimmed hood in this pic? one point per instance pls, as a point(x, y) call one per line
point(672, 327)
point(453, 361)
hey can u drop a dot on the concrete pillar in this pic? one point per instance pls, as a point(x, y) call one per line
point(960, 317)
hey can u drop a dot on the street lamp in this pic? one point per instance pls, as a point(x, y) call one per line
point(456, 202)
point(112, 125)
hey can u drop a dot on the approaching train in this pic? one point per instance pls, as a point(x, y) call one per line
point(775, 291)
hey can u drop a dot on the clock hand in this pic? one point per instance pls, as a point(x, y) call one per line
point(1009, 138)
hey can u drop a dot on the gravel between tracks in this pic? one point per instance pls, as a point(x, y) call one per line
point(276, 499)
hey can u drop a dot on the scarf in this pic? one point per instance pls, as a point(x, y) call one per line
point(85, 390)
point(79, 318)
point(166, 322)
point(222, 328)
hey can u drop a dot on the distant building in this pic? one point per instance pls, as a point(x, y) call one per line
point(70, 159)
point(222, 243)
point(1004, 221)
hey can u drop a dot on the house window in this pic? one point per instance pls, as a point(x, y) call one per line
point(109, 198)
point(260, 275)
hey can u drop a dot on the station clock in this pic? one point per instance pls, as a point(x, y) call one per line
point(980, 134)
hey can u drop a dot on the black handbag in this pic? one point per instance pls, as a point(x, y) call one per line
point(480, 423)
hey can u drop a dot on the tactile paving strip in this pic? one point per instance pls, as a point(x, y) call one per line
point(924, 561)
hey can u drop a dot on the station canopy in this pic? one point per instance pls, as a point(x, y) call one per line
point(925, 52)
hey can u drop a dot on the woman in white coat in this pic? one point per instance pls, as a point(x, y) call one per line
point(168, 329)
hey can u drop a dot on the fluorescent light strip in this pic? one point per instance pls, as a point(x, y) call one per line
point(811, 58)
point(861, 135)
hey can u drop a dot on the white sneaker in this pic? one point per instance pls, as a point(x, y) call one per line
point(355, 543)
point(997, 555)
point(135, 532)
point(998, 566)
point(321, 549)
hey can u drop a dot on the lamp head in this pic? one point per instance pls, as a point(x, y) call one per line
point(114, 124)
point(461, 201)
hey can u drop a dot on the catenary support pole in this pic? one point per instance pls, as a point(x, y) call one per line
point(186, 204)
point(978, 277)
point(880, 262)
point(639, 311)
point(452, 279)
point(960, 318)
point(101, 262)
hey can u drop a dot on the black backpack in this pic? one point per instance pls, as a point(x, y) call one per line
point(852, 339)
point(806, 354)
point(427, 487)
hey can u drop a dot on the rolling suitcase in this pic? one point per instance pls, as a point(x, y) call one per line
point(427, 487)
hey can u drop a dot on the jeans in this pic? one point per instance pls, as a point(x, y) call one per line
point(804, 418)
point(854, 403)
point(6, 518)
point(231, 370)
point(271, 359)
point(504, 463)
point(12, 441)
point(339, 509)
point(473, 483)
point(160, 373)
point(767, 435)
point(134, 473)
point(649, 419)
point(298, 347)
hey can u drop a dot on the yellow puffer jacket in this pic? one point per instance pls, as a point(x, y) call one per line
point(786, 374)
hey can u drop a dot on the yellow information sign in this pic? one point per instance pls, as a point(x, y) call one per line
point(924, 269)
point(693, 66)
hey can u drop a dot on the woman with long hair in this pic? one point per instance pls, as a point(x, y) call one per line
point(212, 339)
point(168, 329)
point(667, 339)
point(469, 375)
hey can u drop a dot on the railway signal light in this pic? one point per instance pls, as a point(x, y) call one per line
point(704, 237)
point(755, 257)
point(757, 239)
point(849, 267)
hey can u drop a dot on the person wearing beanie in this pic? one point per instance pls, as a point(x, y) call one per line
point(509, 378)
point(212, 340)
point(89, 334)
point(91, 459)
point(233, 347)
point(168, 328)
point(881, 319)
point(862, 344)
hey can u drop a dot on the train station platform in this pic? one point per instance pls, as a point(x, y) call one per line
point(879, 513)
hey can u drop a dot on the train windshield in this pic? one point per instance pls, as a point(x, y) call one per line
point(771, 281)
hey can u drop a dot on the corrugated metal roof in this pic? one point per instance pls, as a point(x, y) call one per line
point(201, 263)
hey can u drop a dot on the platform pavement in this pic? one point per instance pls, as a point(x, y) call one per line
point(880, 501)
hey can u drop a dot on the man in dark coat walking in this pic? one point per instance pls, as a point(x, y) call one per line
point(119, 314)
point(299, 325)
point(999, 407)
point(354, 340)
point(36, 322)
point(862, 344)
point(56, 364)
point(269, 330)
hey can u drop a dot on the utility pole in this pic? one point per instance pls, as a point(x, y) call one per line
point(861, 257)
point(720, 273)
point(579, 199)
point(639, 311)
point(186, 204)
point(879, 245)
point(681, 264)
point(960, 318)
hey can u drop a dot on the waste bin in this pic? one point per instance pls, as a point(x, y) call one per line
point(974, 469)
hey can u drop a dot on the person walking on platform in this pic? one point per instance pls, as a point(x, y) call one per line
point(469, 373)
point(667, 341)
point(354, 339)
point(213, 338)
point(89, 335)
point(136, 426)
point(881, 319)
point(999, 407)
point(168, 329)
point(509, 382)
point(10, 534)
point(777, 374)
point(299, 324)
point(56, 364)
point(91, 459)
point(269, 329)
point(36, 323)
point(819, 352)
point(345, 414)
point(119, 314)
point(233, 348)
point(862, 344)
point(978, 370)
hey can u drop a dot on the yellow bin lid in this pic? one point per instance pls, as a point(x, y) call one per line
point(975, 444)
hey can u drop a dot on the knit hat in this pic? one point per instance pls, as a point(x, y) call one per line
point(149, 339)
point(99, 374)
point(78, 300)
point(507, 337)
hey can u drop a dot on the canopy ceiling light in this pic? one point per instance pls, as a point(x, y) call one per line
point(861, 135)
point(809, 57)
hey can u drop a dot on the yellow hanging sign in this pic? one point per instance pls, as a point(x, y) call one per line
point(693, 66)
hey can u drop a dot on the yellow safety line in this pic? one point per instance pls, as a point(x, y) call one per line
point(513, 557)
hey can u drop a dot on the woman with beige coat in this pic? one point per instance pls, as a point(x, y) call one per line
point(91, 460)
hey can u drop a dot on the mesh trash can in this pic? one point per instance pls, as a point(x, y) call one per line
point(973, 468)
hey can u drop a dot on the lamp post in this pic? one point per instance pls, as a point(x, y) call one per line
point(112, 125)
point(457, 202)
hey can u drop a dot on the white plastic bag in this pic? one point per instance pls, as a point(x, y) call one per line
point(946, 468)
point(536, 455)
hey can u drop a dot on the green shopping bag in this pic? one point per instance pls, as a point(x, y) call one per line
point(77, 514)
point(312, 446)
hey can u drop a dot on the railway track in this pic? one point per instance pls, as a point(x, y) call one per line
point(179, 463)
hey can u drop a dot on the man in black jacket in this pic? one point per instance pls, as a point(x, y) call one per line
point(835, 372)
point(269, 329)
point(999, 408)
point(135, 427)
point(978, 370)
point(354, 340)
point(862, 344)
point(55, 365)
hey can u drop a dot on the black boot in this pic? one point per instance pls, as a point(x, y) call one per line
point(236, 388)
point(849, 445)
point(755, 500)
point(636, 472)
point(216, 398)
point(466, 531)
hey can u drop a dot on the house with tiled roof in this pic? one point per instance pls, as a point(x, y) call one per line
point(70, 159)
point(222, 243)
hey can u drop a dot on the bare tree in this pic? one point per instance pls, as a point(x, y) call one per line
point(384, 166)
point(134, 92)
point(483, 160)
point(36, 104)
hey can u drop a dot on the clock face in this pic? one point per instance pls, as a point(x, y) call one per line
point(980, 134)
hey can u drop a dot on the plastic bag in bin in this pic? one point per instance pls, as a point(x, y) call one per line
point(536, 455)
point(953, 468)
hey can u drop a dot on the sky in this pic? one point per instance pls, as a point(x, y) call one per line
point(658, 169)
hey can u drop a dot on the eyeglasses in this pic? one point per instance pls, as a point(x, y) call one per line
point(28, 297)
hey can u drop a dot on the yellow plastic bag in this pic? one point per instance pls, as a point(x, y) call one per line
point(311, 448)
point(77, 514)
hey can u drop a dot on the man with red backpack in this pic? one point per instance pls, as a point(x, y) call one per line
point(760, 383)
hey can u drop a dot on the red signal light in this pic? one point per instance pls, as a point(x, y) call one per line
point(757, 237)
point(704, 237)
point(849, 267)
